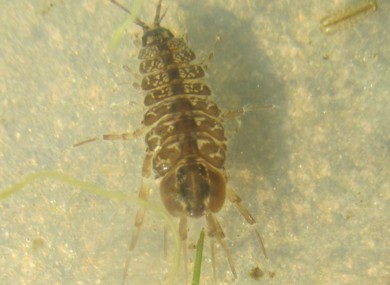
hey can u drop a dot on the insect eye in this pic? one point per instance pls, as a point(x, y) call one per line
point(202, 170)
point(181, 172)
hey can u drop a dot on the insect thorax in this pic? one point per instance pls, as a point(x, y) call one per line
point(156, 36)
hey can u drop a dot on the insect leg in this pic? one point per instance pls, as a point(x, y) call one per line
point(183, 228)
point(215, 231)
point(144, 195)
point(231, 114)
point(236, 114)
point(112, 137)
point(139, 218)
point(212, 249)
point(236, 200)
point(206, 60)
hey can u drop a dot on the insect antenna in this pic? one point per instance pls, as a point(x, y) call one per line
point(137, 21)
point(157, 17)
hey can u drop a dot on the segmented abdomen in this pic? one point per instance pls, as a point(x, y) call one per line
point(185, 123)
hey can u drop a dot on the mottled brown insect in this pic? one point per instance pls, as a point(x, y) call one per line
point(186, 144)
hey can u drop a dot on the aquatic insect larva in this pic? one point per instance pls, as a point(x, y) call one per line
point(186, 144)
point(346, 16)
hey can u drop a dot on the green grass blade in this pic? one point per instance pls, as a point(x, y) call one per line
point(198, 259)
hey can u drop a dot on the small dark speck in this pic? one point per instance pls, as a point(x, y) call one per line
point(271, 274)
point(256, 273)
point(191, 246)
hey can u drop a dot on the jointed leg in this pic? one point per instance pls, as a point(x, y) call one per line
point(112, 137)
point(139, 218)
point(215, 231)
point(144, 195)
point(236, 200)
point(183, 228)
point(232, 114)
point(212, 248)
